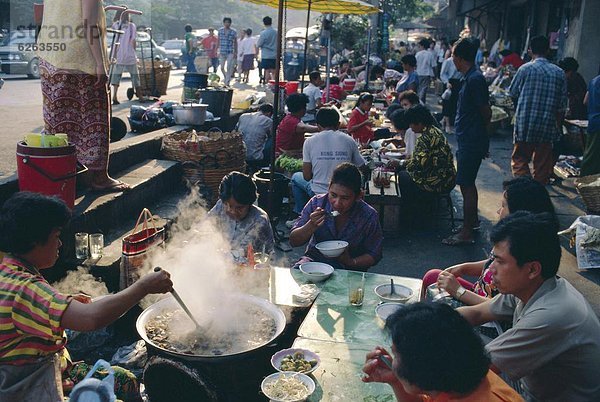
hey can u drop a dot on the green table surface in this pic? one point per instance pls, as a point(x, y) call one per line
point(338, 377)
point(332, 318)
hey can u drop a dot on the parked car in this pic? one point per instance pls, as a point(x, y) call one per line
point(173, 49)
point(18, 54)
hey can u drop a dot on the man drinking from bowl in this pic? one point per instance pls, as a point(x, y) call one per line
point(355, 222)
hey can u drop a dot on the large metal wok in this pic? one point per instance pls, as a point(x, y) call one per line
point(170, 304)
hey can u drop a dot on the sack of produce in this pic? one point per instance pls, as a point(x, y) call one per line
point(585, 237)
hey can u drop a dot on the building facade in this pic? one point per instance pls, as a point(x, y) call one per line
point(572, 26)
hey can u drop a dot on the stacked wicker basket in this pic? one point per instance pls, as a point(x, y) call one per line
point(206, 157)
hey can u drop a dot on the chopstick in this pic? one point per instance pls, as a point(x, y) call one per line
point(386, 361)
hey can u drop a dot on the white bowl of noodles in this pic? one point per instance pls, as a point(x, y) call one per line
point(288, 386)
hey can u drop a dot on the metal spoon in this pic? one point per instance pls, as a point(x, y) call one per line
point(181, 303)
point(392, 289)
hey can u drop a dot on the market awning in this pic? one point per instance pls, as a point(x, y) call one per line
point(323, 6)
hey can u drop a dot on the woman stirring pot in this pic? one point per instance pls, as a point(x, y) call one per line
point(34, 315)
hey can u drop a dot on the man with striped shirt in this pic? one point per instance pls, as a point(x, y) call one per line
point(227, 49)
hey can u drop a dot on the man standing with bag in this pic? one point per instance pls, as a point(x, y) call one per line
point(227, 49)
point(539, 91)
point(472, 118)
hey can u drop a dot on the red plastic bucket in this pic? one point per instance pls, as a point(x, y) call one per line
point(291, 87)
point(349, 84)
point(49, 171)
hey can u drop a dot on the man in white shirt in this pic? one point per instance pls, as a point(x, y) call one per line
point(256, 129)
point(321, 154)
point(426, 62)
point(313, 92)
point(554, 343)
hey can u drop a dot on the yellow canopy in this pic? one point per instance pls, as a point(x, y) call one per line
point(323, 6)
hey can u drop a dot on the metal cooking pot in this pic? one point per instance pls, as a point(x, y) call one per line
point(193, 114)
point(170, 304)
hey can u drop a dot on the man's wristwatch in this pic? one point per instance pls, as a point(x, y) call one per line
point(460, 292)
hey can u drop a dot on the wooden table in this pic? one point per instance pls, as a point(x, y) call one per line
point(387, 203)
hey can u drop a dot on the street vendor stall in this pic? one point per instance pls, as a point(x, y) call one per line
point(331, 318)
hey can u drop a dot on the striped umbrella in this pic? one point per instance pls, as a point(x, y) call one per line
point(323, 6)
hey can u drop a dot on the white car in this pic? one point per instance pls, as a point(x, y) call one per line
point(18, 54)
point(173, 48)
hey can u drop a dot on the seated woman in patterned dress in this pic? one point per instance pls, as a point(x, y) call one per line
point(430, 169)
point(357, 223)
point(520, 194)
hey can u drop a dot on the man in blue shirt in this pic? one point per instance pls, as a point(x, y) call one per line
point(267, 43)
point(227, 49)
point(472, 118)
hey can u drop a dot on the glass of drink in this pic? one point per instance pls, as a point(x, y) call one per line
point(96, 245)
point(356, 288)
point(261, 258)
point(81, 246)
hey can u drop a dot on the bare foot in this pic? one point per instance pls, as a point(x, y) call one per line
point(110, 185)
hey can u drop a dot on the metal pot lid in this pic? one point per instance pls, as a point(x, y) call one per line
point(190, 106)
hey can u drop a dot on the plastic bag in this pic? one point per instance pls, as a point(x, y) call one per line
point(447, 94)
point(95, 390)
point(586, 230)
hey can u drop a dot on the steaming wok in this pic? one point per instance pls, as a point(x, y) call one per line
point(170, 304)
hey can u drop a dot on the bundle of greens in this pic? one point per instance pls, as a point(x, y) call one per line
point(288, 163)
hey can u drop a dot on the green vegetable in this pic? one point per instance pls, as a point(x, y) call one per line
point(297, 363)
point(288, 163)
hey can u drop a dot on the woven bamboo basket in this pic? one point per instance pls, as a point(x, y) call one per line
point(207, 175)
point(186, 146)
point(206, 157)
point(162, 72)
point(588, 188)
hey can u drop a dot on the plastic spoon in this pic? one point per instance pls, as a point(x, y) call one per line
point(392, 289)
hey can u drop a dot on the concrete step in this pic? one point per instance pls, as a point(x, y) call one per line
point(102, 213)
point(123, 155)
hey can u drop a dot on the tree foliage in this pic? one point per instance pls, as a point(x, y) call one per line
point(407, 10)
point(350, 32)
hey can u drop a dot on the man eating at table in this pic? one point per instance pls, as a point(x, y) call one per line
point(554, 344)
point(437, 357)
point(355, 222)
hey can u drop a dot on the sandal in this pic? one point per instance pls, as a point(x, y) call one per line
point(115, 187)
point(454, 240)
point(459, 229)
